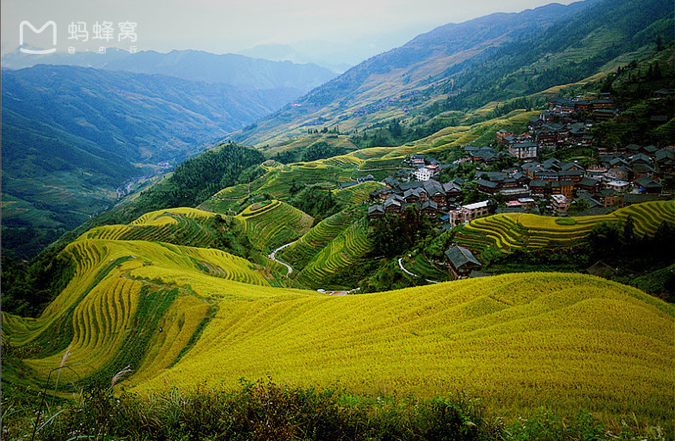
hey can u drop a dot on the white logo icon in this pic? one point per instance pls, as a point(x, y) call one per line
point(37, 31)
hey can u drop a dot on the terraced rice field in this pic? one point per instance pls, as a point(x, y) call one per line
point(273, 224)
point(277, 183)
point(188, 227)
point(229, 198)
point(348, 160)
point(505, 232)
point(426, 269)
point(185, 316)
point(517, 341)
point(184, 226)
point(312, 242)
point(346, 250)
point(130, 302)
point(358, 193)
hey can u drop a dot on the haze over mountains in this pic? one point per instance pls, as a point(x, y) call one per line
point(72, 136)
point(494, 57)
point(231, 69)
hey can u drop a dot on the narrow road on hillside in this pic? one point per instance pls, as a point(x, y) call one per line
point(274, 253)
point(400, 264)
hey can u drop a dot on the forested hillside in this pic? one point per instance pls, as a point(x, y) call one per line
point(465, 66)
point(75, 140)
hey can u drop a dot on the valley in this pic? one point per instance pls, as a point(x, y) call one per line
point(468, 237)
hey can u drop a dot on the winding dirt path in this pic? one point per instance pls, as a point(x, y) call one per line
point(273, 257)
point(400, 264)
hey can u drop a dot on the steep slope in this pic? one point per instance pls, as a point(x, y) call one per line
point(273, 224)
point(347, 250)
point(71, 137)
point(466, 65)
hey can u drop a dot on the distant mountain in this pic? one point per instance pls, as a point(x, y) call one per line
point(284, 52)
point(235, 70)
point(469, 64)
point(71, 136)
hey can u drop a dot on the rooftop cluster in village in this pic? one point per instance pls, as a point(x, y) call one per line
point(623, 176)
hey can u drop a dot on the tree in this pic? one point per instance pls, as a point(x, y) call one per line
point(628, 236)
point(579, 205)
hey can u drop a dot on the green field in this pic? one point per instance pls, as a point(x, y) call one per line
point(348, 249)
point(304, 249)
point(273, 224)
point(506, 232)
point(425, 269)
point(358, 193)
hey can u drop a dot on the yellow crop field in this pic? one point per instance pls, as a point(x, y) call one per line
point(187, 316)
point(184, 316)
point(124, 292)
point(508, 231)
point(517, 341)
point(342, 160)
point(161, 225)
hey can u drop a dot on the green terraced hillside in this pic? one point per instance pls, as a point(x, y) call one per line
point(358, 193)
point(505, 232)
point(312, 242)
point(343, 252)
point(421, 266)
point(273, 223)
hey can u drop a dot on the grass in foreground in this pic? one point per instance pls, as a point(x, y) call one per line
point(264, 410)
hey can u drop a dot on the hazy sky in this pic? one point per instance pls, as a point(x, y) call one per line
point(222, 26)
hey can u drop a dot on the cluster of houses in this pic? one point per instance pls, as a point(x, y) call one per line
point(630, 175)
point(429, 196)
point(559, 127)
point(624, 176)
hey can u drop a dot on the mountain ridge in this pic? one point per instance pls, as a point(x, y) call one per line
point(74, 136)
point(455, 66)
point(193, 65)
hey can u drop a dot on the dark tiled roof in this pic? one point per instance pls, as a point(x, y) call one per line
point(460, 256)
point(589, 182)
point(488, 184)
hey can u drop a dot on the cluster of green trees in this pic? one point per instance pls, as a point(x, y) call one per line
point(335, 130)
point(632, 89)
point(394, 235)
point(385, 275)
point(318, 202)
point(27, 290)
point(316, 151)
point(190, 184)
point(397, 132)
point(200, 177)
point(321, 150)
